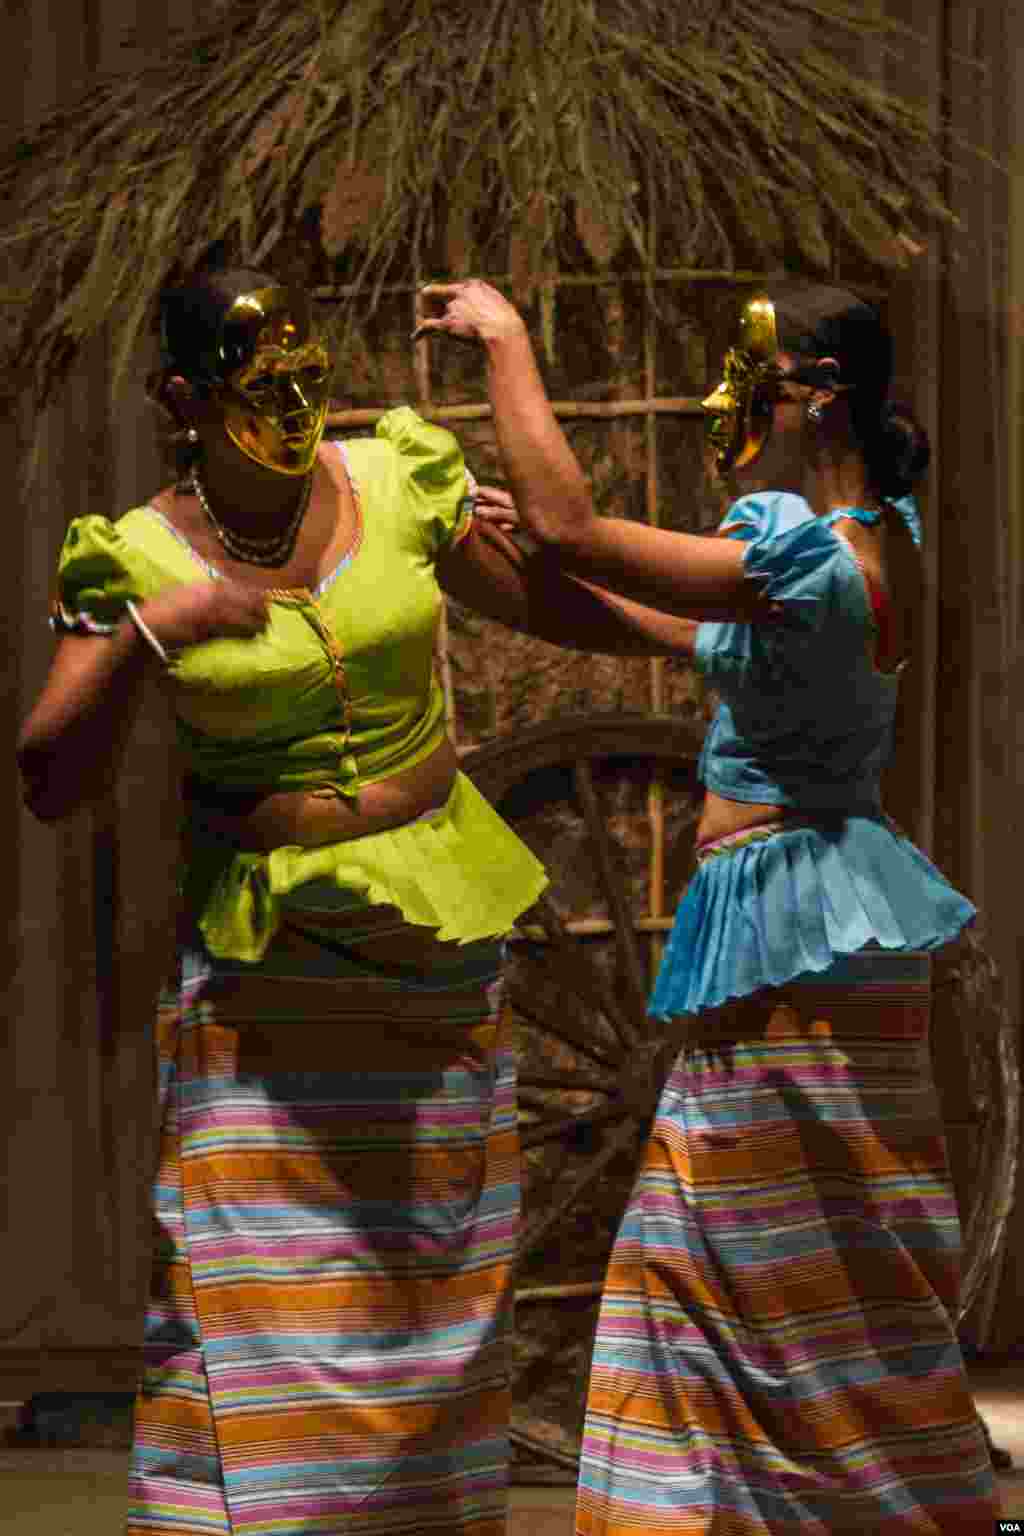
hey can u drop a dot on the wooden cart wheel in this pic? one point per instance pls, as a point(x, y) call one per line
point(993, 1084)
point(610, 804)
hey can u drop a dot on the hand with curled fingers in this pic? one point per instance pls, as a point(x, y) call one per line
point(496, 507)
point(196, 611)
point(469, 311)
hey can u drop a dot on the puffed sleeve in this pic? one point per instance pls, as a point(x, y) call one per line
point(764, 515)
point(96, 576)
point(808, 576)
point(798, 563)
point(439, 489)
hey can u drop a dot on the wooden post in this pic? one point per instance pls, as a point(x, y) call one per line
point(656, 794)
point(421, 366)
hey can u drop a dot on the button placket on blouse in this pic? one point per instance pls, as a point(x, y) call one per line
point(303, 599)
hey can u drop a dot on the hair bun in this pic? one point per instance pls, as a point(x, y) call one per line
point(903, 452)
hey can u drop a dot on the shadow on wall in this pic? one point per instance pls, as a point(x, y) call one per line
point(96, 1420)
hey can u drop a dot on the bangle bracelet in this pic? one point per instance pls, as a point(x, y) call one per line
point(146, 633)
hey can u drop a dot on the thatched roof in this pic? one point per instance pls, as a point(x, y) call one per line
point(430, 129)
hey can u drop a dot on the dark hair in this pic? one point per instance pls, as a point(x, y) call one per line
point(831, 322)
point(191, 315)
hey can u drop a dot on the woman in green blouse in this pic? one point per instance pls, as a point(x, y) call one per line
point(337, 1190)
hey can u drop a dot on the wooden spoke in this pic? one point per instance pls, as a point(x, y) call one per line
point(531, 1348)
point(994, 1078)
point(560, 1030)
point(559, 1292)
point(589, 1119)
point(589, 984)
point(532, 1097)
point(575, 1322)
point(575, 1082)
point(568, 998)
point(615, 896)
point(534, 1358)
point(538, 1229)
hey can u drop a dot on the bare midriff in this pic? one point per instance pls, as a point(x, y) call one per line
point(309, 819)
point(259, 822)
point(720, 817)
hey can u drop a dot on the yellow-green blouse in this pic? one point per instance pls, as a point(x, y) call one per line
point(337, 692)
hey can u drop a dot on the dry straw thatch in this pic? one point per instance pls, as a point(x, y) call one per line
point(419, 129)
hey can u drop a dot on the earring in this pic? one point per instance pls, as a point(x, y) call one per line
point(192, 436)
point(815, 411)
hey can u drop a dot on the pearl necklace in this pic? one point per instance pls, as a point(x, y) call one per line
point(272, 551)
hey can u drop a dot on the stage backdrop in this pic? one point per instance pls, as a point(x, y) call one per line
point(89, 903)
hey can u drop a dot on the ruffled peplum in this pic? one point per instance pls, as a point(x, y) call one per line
point(790, 905)
point(460, 870)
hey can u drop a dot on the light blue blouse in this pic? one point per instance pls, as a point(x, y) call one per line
point(805, 721)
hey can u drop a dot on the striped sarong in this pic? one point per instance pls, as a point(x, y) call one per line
point(775, 1351)
point(336, 1212)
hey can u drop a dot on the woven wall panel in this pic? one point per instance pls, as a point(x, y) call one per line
point(89, 903)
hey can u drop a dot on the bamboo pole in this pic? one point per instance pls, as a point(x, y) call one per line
point(420, 354)
point(566, 410)
point(421, 367)
point(329, 293)
point(656, 793)
point(590, 928)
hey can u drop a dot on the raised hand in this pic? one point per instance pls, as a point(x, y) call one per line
point(469, 311)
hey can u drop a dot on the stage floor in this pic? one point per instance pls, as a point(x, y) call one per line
point(82, 1492)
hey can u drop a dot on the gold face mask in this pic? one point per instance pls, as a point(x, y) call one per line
point(276, 373)
point(739, 410)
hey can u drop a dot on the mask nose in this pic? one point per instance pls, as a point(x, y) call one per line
point(719, 400)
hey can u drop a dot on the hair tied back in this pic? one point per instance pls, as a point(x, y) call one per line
point(903, 451)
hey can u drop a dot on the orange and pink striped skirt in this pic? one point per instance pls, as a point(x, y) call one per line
point(335, 1221)
point(776, 1354)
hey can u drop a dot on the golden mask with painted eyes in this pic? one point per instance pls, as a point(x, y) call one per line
point(275, 373)
point(739, 410)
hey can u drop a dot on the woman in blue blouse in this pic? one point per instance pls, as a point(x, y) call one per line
point(776, 1349)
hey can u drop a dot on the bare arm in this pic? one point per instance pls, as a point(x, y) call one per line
point(72, 742)
point(491, 574)
point(681, 574)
